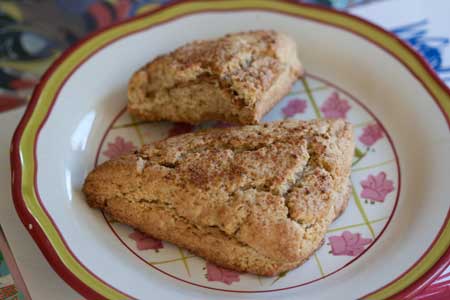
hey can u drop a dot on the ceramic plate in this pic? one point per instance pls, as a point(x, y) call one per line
point(392, 238)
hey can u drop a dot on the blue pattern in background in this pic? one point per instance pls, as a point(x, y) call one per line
point(416, 34)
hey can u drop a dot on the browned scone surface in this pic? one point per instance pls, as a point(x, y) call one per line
point(255, 199)
point(236, 78)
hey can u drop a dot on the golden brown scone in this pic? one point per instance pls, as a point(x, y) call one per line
point(237, 78)
point(255, 199)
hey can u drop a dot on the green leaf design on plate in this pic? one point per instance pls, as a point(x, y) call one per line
point(358, 153)
point(281, 275)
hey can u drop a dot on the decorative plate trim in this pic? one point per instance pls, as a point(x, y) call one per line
point(23, 156)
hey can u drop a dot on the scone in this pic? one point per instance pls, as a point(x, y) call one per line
point(256, 199)
point(237, 78)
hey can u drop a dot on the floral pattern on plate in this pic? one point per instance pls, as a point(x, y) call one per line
point(215, 273)
point(374, 180)
point(348, 243)
point(376, 188)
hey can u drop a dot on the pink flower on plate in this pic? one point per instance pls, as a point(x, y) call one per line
point(371, 134)
point(144, 242)
point(335, 107)
point(294, 106)
point(376, 188)
point(215, 273)
point(180, 128)
point(118, 147)
point(351, 244)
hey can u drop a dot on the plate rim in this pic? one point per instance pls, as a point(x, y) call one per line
point(34, 215)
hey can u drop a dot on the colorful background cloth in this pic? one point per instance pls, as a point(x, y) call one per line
point(8, 290)
point(34, 33)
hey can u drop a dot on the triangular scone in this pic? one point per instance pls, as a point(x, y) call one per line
point(236, 78)
point(255, 199)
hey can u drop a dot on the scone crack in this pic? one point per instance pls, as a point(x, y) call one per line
point(269, 192)
point(281, 189)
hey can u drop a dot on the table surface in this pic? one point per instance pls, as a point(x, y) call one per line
point(29, 42)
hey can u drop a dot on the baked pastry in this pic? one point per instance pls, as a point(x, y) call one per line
point(255, 199)
point(237, 78)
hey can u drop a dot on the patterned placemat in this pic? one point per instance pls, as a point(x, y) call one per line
point(8, 289)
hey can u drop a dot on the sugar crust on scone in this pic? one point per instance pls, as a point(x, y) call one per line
point(255, 199)
point(237, 78)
